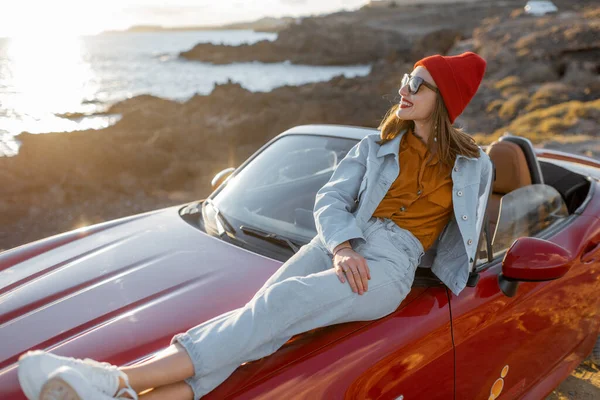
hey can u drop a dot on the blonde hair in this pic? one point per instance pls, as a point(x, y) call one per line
point(451, 141)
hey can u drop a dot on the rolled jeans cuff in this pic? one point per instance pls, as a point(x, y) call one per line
point(187, 343)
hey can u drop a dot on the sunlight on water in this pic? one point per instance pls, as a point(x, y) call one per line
point(48, 74)
point(45, 76)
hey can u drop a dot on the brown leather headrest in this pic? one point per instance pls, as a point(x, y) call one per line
point(512, 171)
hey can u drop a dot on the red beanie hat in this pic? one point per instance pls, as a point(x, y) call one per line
point(457, 78)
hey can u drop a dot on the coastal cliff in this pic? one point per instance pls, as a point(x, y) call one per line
point(311, 42)
point(542, 82)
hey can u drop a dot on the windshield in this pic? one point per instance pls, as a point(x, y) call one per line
point(276, 190)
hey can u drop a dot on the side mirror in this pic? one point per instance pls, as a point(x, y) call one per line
point(221, 177)
point(532, 260)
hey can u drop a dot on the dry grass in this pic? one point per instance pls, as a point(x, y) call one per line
point(569, 122)
point(512, 91)
point(494, 106)
point(509, 81)
point(511, 107)
point(547, 95)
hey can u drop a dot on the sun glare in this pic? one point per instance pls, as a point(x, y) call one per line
point(47, 72)
point(56, 19)
point(47, 76)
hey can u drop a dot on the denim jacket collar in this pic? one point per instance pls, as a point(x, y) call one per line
point(393, 147)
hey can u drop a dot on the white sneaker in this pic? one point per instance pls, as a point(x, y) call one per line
point(36, 366)
point(67, 384)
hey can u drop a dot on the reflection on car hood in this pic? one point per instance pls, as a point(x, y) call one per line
point(124, 290)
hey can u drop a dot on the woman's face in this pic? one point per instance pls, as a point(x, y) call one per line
point(418, 106)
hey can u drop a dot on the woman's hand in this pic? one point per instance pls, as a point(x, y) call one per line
point(348, 263)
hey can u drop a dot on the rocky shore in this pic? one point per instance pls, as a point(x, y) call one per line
point(311, 42)
point(542, 82)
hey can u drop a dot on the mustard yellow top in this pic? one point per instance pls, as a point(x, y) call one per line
point(420, 199)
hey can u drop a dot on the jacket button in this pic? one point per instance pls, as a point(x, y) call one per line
point(402, 209)
point(469, 242)
point(419, 192)
point(459, 193)
point(464, 217)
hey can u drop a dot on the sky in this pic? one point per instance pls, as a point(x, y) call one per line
point(76, 17)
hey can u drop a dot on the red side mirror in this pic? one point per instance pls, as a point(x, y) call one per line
point(533, 259)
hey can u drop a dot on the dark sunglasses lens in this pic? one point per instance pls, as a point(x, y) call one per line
point(415, 84)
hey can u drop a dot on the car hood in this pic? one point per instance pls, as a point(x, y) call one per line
point(119, 291)
point(140, 279)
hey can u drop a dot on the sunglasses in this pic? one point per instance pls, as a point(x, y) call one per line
point(414, 83)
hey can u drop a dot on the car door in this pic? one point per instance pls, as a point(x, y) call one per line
point(418, 351)
point(523, 346)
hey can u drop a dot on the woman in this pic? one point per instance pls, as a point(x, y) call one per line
point(418, 177)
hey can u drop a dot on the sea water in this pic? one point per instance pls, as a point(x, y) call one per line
point(56, 84)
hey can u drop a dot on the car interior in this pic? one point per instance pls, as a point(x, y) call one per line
point(516, 166)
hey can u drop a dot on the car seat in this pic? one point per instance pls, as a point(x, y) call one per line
point(516, 166)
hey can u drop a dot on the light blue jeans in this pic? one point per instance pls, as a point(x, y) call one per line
point(303, 294)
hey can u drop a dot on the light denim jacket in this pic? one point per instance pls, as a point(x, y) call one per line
point(361, 180)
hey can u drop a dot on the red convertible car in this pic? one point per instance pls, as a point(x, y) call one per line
point(119, 291)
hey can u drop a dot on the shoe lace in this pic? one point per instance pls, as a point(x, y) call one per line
point(107, 376)
point(128, 391)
